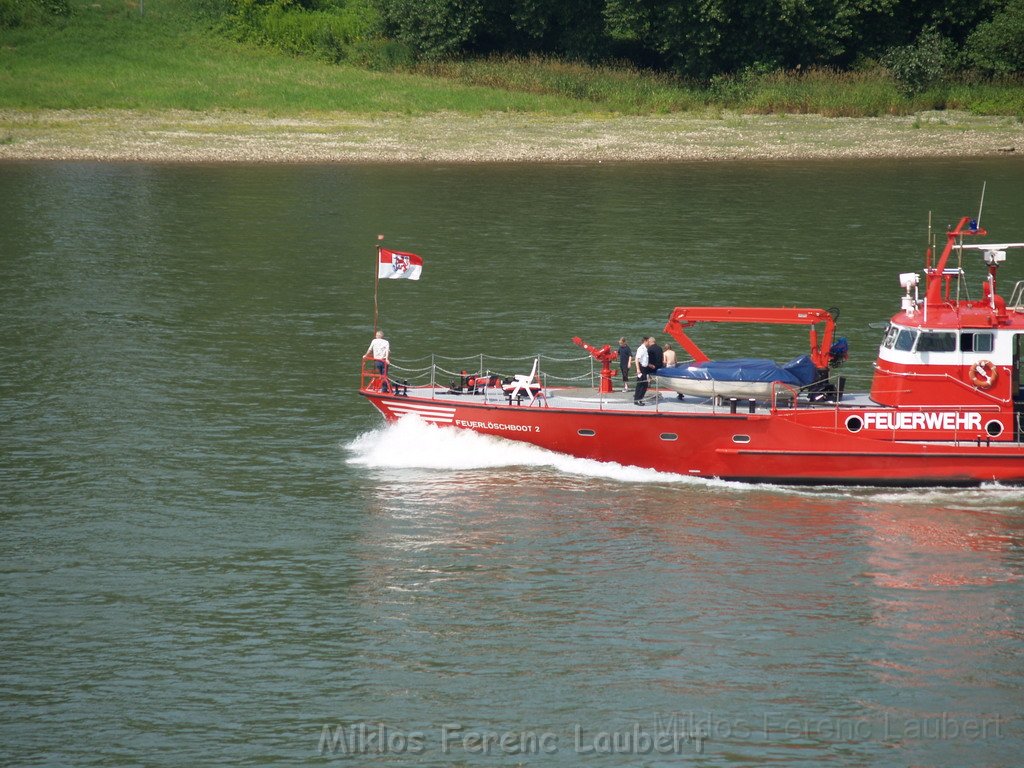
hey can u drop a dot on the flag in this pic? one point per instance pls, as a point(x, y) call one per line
point(395, 265)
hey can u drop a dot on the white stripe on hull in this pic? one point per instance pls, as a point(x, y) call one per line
point(432, 413)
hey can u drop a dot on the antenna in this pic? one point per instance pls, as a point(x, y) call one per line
point(928, 243)
point(982, 203)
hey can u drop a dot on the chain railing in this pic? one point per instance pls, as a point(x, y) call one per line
point(443, 373)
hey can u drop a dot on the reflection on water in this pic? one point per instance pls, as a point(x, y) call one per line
point(212, 548)
point(953, 548)
point(858, 619)
point(944, 603)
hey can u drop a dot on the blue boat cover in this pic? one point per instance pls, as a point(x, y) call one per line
point(798, 372)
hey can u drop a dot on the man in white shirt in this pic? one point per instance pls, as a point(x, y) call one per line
point(380, 351)
point(642, 361)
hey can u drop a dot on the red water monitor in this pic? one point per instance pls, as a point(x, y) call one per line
point(604, 355)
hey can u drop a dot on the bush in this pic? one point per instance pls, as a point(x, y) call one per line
point(919, 66)
point(327, 33)
point(432, 29)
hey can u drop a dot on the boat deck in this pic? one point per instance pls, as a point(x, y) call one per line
point(589, 399)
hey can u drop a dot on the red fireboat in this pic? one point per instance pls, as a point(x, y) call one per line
point(945, 406)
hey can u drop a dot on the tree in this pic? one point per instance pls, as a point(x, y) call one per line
point(432, 28)
point(438, 28)
point(695, 38)
point(997, 46)
point(572, 28)
point(685, 35)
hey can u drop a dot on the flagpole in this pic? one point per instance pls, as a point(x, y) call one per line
point(376, 283)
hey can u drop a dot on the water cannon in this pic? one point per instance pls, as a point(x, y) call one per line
point(603, 355)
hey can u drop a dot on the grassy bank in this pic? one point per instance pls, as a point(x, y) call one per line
point(111, 55)
point(112, 83)
point(107, 56)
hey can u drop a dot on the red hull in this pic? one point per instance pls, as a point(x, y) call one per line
point(802, 446)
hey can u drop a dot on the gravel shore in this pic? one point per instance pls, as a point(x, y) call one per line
point(178, 136)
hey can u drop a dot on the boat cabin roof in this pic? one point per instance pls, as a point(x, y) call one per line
point(967, 315)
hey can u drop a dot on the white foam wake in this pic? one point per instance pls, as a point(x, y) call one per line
point(987, 496)
point(411, 443)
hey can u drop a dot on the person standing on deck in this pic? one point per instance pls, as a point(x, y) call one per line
point(655, 357)
point(380, 351)
point(642, 361)
point(625, 361)
point(670, 355)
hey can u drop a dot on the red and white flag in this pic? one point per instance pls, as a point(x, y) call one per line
point(395, 265)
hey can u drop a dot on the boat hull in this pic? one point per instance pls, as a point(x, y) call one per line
point(796, 447)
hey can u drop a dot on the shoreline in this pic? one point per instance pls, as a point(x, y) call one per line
point(243, 137)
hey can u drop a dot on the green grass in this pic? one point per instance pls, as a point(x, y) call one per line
point(622, 89)
point(107, 55)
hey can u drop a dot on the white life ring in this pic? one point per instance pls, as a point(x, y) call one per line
point(984, 374)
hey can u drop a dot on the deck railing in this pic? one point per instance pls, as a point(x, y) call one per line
point(447, 372)
point(441, 373)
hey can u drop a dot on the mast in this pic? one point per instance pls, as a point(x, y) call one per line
point(376, 282)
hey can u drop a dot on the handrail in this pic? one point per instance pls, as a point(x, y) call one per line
point(369, 378)
point(791, 393)
point(480, 356)
point(1016, 302)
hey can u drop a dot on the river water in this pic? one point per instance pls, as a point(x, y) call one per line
point(213, 553)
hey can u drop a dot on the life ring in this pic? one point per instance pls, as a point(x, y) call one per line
point(984, 374)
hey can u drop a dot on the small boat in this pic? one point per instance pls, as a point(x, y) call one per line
point(945, 405)
point(744, 377)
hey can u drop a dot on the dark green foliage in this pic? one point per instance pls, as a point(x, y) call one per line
point(570, 28)
point(701, 38)
point(436, 29)
point(921, 65)
point(432, 29)
point(18, 13)
point(997, 46)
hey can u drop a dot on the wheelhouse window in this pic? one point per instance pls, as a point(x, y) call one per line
point(936, 341)
point(977, 342)
point(890, 336)
point(905, 340)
